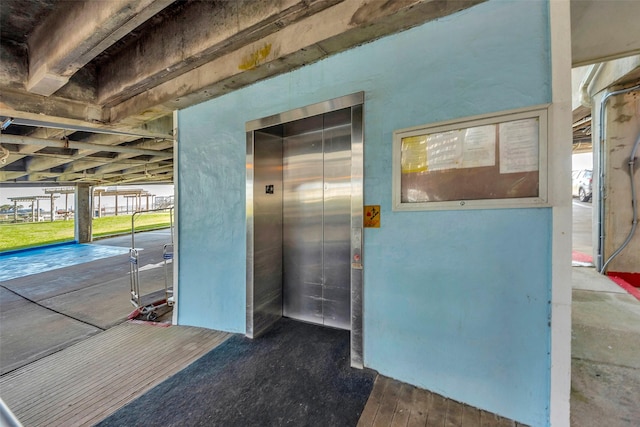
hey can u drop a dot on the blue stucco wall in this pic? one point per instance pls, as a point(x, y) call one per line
point(455, 302)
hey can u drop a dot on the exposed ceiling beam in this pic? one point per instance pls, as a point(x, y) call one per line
point(137, 174)
point(214, 29)
point(77, 145)
point(64, 113)
point(335, 29)
point(73, 35)
point(42, 164)
point(604, 30)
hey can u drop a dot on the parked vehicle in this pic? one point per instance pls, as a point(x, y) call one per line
point(581, 184)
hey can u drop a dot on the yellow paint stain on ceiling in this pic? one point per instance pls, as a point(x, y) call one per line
point(254, 59)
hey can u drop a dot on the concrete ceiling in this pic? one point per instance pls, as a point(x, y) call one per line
point(88, 88)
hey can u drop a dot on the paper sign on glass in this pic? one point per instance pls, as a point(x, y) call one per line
point(444, 150)
point(479, 147)
point(519, 146)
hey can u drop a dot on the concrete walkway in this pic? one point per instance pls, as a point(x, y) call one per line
point(44, 313)
point(83, 384)
point(605, 377)
point(58, 311)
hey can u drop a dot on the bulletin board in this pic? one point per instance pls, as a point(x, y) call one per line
point(496, 160)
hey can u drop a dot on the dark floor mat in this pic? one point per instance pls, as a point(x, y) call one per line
point(297, 374)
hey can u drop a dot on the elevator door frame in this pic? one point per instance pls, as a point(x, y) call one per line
point(257, 322)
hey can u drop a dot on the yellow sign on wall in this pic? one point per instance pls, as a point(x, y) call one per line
point(372, 216)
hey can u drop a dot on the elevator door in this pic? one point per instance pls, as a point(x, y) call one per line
point(317, 219)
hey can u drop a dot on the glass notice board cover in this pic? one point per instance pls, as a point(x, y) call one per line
point(481, 162)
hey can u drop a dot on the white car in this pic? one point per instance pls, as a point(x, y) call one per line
point(581, 181)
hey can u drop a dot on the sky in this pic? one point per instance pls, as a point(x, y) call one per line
point(6, 192)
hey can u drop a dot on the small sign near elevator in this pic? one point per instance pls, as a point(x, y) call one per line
point(371, 216)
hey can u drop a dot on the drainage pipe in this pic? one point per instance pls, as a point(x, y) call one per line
point(599, 258)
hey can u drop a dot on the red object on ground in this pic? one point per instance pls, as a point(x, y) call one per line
point(631, 278)
point(624, 284)
point(135, 313)
point(581, 257)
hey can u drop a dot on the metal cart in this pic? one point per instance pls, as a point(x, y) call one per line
point(145, 307)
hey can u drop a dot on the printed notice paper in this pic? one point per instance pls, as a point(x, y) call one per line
point(519, 146)
point(479, 147)
point(414, 154)
point(444, 150)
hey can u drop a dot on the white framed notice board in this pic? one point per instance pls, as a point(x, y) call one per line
point(481, 162)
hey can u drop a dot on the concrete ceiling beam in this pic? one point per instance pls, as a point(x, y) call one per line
point(63, 113)
point(138, 174)
point(25, 140)
point(196, 34)
point(334, 29)
point(114, 164)
point(122, 172)
point(75, 34)
point(593, 38)
point(120, 159)
point(40, 164)
point(7, 176)
point(29, 150)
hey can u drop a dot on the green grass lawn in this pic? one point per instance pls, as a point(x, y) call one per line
point(28, 234)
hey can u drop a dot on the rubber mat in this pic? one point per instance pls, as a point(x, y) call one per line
point(297, 374)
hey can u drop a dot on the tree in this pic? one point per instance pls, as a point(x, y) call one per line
point(6, 208)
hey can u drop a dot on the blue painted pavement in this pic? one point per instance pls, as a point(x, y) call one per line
point(39, 260)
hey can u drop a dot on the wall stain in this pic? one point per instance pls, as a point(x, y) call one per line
point(254, 59)
point(623, 118)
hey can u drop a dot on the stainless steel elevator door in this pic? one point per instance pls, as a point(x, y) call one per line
point(317, 219)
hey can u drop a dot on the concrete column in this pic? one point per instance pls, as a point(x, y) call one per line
point(37, 210)
point(33, 211)
point(622, 129)
point(116, 204)
point(82, 215)
point(15, 211)
point(53, 208)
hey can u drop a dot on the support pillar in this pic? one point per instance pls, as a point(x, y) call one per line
point(15, 211)
point(53, 208)
point(82, 214)
point(622, 129)
point(37, 210)
point(116, 204)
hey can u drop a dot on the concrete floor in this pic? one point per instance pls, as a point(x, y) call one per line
point(605, 368)
point(582, 239)
point(62, 307)
point(605, 377)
